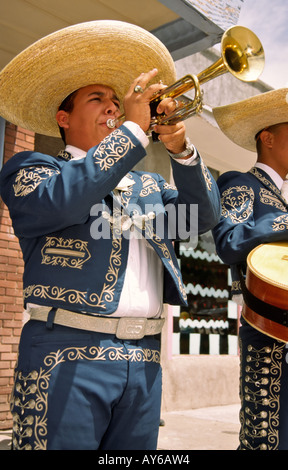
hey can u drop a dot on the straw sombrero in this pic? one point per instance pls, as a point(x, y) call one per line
point(112, 53)
point(241, 121)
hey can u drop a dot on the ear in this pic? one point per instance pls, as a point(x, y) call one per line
point(62, 118)
point(267, 138)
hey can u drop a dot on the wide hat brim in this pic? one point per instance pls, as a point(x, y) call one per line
point(111, 53)
point(241, 121)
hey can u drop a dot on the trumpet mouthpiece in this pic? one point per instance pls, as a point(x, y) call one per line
point(111, 123)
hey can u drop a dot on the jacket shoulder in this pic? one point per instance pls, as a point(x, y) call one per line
point(234, 178)
point(23, 160)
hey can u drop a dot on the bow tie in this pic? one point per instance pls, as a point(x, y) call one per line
point(284, 190)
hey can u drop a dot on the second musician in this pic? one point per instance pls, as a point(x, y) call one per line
point(254, 212)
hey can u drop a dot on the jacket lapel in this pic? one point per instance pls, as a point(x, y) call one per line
point(265, 180)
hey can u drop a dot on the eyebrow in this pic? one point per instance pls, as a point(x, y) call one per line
point(101, 94)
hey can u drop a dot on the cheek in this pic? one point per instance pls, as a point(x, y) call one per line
point(76, 121)
point(284, 147)
point(283, 153)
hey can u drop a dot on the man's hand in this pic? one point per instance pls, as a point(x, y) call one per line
point(137, 105)
point(172, 136)
point(137, 109)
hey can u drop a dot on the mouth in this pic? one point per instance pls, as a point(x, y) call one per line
point(105, 123)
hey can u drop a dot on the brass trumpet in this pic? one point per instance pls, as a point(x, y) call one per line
point(242, 55)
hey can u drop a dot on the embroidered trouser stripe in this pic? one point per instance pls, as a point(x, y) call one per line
point(264, 391)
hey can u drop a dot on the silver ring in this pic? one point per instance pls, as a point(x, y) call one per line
point(138, 89)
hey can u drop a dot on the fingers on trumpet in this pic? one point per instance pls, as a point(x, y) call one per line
point(172, 136)
point(168, 106)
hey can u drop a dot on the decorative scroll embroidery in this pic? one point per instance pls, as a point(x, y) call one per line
point(268, 198)
point(29, 403)
point(237, 203)
point(150, 234)
point(260, 413)
point(207, 176)
point(170, 186)
point(76, 297)
point(149, 185)
point(114, 147)
point(236, 286)
point(179, 279)
point(28, 179)
point(64, 155)
point(280, 223)
point(65, 252)
point(264, 180)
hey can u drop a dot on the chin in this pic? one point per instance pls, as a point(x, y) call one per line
point(108, 131)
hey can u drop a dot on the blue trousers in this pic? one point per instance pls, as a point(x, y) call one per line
point(77, 390)
point(263, 391)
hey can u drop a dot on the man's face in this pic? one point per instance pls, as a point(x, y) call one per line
point(86, 125)
point(274, 148)
point(280, 145)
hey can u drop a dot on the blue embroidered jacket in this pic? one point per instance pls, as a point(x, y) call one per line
point(58, 208)
point(253, 212)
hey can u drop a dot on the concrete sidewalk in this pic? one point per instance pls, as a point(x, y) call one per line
point(214, 428)
point(5, 440)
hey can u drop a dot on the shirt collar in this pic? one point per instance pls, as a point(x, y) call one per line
point(75, 152)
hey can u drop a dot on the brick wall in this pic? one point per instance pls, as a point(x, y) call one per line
point(11, 270)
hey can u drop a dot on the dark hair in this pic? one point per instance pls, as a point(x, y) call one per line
point(258, 141)
point(67, 105)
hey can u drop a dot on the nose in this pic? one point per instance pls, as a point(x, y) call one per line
point(111, 107)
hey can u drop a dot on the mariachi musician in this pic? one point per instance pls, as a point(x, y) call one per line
point(255, 213)
point(97, 269)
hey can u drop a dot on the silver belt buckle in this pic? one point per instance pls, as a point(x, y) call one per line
point(131, 328)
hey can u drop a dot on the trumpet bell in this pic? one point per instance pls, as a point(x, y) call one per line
point(242, 53)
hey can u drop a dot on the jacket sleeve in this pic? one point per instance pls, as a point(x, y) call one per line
point(197, 187)
point(44, 194)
